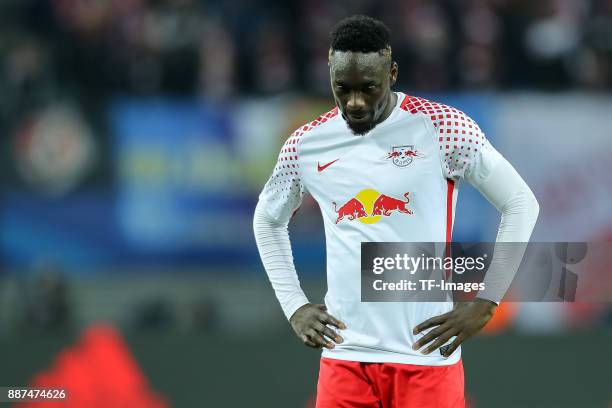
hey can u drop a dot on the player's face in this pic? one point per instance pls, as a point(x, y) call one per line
point(361, 84)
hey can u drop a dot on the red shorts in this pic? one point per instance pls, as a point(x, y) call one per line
point(351, 384)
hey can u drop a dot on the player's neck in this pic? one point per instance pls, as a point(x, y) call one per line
point(391, 102)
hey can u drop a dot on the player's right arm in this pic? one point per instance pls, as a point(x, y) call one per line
point(279, 199)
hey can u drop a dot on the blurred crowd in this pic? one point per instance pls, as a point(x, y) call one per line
point(62, 61)
point(92, 48)
point(66, 58)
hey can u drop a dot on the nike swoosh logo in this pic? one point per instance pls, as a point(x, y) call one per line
point(321, 168)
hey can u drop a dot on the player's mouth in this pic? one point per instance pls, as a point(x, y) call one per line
point(358, 117)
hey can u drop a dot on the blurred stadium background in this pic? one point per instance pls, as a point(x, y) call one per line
point(136, 135)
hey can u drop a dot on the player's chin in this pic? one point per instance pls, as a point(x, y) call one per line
point(360, 128)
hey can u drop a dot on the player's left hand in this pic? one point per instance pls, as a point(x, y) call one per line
point(464, 321)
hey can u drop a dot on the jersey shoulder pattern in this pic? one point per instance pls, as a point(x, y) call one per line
point(284, 190)
point(458, 136)
point(287, 164)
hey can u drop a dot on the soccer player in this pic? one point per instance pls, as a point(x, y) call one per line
point(383, 167)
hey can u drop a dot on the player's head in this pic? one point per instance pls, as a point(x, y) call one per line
point(361, 71)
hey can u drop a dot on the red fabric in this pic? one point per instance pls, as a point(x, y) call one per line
point(97, 372)
point(449, 209)
point(450, 187)
point(351, 384)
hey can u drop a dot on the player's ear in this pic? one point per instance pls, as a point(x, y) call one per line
point(393, 71)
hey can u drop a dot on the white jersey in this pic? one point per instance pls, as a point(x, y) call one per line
point(397, 183)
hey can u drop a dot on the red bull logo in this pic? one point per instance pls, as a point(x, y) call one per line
point(352, 209)
point(384, 205)
point(369, 206)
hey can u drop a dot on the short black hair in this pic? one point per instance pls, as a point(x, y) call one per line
point(359, 34)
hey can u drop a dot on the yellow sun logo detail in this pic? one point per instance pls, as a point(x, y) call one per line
point(367, 198)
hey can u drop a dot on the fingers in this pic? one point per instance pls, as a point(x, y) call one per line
point(329, 333)
point(326, 318)
point(312, 325)
point(440, 341)
point(308, 342)
point(318, 339)
point(453, 346)
point(319, 335)
point(426, 339)
point(434, 321)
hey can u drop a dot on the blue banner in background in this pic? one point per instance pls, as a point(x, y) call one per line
point(186, 179)
point(178, 180)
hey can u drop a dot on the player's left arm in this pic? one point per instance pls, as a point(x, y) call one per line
point(491, 174)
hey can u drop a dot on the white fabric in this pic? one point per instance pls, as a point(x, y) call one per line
point(390, 185)
point(509, 194)
point(275, 250)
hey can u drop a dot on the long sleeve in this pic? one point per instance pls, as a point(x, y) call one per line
point(279, 199)
point(466, 154)
point(275, 251)
point(509, 194)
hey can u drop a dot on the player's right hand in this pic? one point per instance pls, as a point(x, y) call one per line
point(312, 324)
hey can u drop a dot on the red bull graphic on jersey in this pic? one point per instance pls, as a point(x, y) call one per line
point(369, 206)
point(402, 156)
point(352, 209)
point(384, 205)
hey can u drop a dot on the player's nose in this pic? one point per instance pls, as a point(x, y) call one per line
point(356, 103)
